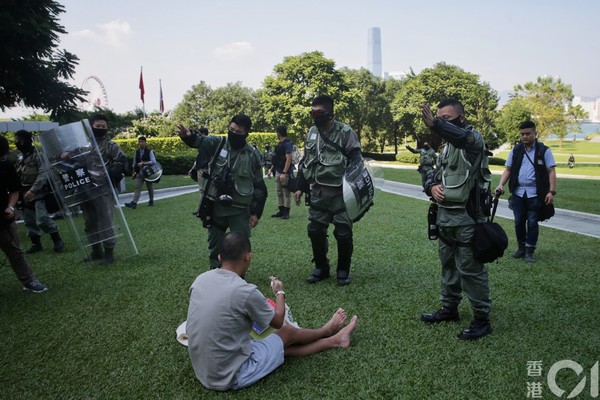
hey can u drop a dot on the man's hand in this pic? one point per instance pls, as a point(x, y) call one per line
point(276, 284)
point(297, 196)
point(549, 199)
point(427, 115)
point(437, 192)
point(253, 221)
point(182, 131)
point(28, 196)
point(282, 178)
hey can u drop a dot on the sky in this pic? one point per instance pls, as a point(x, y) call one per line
point(183, 42)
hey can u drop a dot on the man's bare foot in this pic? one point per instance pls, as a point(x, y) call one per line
point(335, 323)
point(343, 336)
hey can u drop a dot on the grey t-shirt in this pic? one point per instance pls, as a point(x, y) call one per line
point(222, 309)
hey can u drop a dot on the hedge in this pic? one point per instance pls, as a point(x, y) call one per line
point(174, 146)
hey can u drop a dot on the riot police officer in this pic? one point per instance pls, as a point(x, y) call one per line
point(330, 147)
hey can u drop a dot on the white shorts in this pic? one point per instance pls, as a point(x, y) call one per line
point(266, 356)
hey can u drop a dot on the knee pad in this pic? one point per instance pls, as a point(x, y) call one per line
point(342, 233)
point(316, 230)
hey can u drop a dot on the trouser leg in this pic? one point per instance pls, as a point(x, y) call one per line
point(139, 181)
point(473, 274)
point(9, 243)
point(43, 219)
point(345, 247)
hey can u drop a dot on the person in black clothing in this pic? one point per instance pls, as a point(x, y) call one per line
point(282, 168)
point(10, 185)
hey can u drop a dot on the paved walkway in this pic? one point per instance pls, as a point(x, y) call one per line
point(565, 220)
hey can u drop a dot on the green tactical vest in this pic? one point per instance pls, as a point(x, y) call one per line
point(240, 164)
point(323, 164)
point(427, 157)
point(28, 169)
point(459, 175)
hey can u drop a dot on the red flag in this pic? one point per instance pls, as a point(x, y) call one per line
point(162, 103)
point(141, 86)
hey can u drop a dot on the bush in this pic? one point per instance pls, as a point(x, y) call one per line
point(173, 146)
point(407, 157)
point(496, 161)
point(380, 156)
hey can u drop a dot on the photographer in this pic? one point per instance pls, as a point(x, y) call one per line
point(235, 192)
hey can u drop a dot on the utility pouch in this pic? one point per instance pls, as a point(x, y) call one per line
point(432, 227)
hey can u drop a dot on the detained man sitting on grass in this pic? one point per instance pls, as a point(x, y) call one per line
point(223, 307)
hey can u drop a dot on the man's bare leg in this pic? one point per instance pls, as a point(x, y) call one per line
point(291, 335)
point(340, 339)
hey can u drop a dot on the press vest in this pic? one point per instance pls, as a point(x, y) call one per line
point(542, 178)
point(145, 156)
point(323, 163)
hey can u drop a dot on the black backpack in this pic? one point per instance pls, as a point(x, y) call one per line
point(489, 239)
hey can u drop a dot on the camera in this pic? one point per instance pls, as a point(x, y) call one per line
point(225, 185)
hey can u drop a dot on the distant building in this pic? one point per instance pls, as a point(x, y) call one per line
point(395, 75)
point(374, 52)
point(591, 105)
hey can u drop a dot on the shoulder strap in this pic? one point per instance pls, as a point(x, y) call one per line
point(213, 160)
point(332, 143)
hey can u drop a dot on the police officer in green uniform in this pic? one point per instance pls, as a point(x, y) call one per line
point(33, 188)
point(427, 158)
point(455, 186)
point(330, 147)
point(235, 187)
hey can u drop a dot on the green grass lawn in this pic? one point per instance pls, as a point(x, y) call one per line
point(572, 194)
point(110, 333)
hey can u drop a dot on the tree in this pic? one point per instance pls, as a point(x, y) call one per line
point(510, 117)
point(549, 101)
point(32, 71)
point(367, 105)
point(287, 94)
point(192, 111)
point(229, 100)
point(431, 86)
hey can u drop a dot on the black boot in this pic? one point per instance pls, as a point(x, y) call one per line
point(36, 245)
point(444, 314)
point(345, 247)
point(286, 213)
point(108, 257)
point(529, 258)
point(480, 327)
point(278, 214)
point(131, 204)
point(520, 253)
point(320, 245)
point(96, 254)
point(59, 245)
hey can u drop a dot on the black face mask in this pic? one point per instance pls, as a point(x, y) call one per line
point(236, 141)
point(426, 147)
point(322, 120)
point(456, 122)
point(25, 148)
point(99, 132)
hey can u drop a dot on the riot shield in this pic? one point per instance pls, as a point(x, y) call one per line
point(359, 189)
point(83, 188)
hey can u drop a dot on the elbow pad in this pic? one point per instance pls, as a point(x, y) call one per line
point(457, 136)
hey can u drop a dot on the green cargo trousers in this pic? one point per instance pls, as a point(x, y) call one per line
point(461, 272)
point(235, 223)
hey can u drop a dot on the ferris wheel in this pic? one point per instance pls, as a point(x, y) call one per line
point(96, 94)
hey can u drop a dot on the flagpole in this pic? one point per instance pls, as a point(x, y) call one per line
point(161, 104)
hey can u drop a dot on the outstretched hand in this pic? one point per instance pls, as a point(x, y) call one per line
point(427, 115)
point(182, 131)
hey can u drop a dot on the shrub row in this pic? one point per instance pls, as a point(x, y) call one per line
point(173, 146)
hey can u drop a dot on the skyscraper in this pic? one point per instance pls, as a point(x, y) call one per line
point(374, 51)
